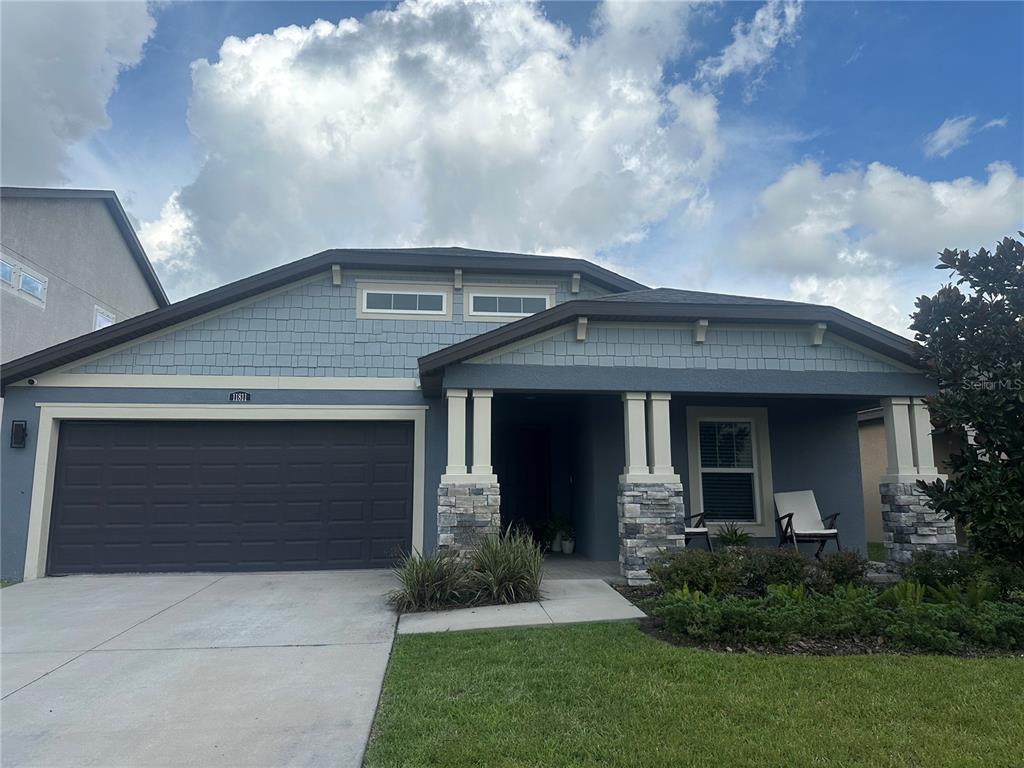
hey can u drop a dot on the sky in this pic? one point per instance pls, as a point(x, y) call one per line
point(822, 152)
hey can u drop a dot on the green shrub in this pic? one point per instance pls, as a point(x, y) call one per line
point(845, 567)
point(936, 568)
point(432, 582)
point(732, 535)
point(903, 593)
point(850, 613)
point(507, 568)
point(709, 572)
point(764, 567)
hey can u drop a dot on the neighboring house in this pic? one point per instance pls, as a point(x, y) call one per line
point(70, 264)
point(873, 465)
point(334, 411)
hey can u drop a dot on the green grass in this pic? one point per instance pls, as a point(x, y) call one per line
point(609, 695)
point(7, 582)
point(876, 551)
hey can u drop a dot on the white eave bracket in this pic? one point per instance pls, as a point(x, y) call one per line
point(581, 329)
point(818, 334)
point(335, 274)
point(458, 277)
point(700, 331)
point(575, 288)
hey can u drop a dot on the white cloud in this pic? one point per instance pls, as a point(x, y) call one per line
point(753, 43)
point(956, 132)
point(828, 223)
point(481, 124)
point(870, 298)
point(839, 236)
point(171, 245)
point(60, 66)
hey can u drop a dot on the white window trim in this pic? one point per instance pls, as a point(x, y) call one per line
point(764, 526)
point(431, 289)
point(40, 300)
point(100, 311)
point(51, 415)
point(504, 291)
point(18, 270)
point(14, 273)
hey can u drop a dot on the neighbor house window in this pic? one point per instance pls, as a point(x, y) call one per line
point(6, 273)
point(103, 319)
point(419, 303)
point(730, 466)
point(484, 304)
point(728, 478)
point(33, 286)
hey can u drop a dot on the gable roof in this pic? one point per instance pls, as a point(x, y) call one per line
point(430, 259)
point(121, 221)
point(677, 306)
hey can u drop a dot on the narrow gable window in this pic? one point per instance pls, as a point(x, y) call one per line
point(493, 303)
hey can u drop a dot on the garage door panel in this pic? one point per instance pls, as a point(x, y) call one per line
point(179, 496)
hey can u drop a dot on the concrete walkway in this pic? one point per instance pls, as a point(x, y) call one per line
point(564, 601)
point(267, 669)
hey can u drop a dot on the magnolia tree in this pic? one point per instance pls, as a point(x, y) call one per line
point(973, 346)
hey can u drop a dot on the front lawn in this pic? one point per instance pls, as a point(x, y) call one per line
point(609, 695)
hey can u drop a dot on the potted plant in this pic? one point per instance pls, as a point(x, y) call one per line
point(553, 534)
point(568, 539)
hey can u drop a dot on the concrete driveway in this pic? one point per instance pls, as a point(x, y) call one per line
point(269, 669)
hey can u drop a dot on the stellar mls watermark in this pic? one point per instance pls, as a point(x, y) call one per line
point(994, 385)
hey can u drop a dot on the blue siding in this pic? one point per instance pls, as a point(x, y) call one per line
point(311, 329)
point(611, 346)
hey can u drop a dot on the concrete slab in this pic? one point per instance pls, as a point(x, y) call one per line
point(76, 613)
point(18, 669)
point(309, 608)
point(564, 601)
point(270, 669)
point(484, 617)
point(591, 609)
point(307, 706)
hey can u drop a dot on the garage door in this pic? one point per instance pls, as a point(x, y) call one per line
point(135, 496)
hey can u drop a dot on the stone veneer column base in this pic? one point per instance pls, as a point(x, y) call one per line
point(651, 520)
point(467, 513)
point(911, 526)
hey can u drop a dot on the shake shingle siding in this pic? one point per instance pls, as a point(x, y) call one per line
point(311, 329)
point(633, 347)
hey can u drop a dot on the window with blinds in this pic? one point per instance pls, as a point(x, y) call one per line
point(728, 477)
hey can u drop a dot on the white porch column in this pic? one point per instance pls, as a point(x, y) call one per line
point(899, 441)
point(636, 469)
point(659, 438)
point(482, 432)
point(456, 432)
point(921, 435)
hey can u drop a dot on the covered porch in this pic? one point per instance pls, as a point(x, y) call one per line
point(621, 432)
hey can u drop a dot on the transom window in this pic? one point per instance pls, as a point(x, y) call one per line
point(401, 301)
point(34, 287)
point(6, 273)
point(728, 472)
point(495, 304)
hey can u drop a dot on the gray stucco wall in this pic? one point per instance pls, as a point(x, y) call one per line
point(623, 346)
point(16, 465)
point(78, 248)
point(312, 329)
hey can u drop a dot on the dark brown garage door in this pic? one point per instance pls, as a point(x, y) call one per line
point(230, 496)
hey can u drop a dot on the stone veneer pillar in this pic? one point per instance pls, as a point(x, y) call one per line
point(651, 522)
point(910, 525)
point(650, 501)
point(468, 503)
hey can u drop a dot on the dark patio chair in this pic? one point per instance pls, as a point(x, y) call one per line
point(697, 528)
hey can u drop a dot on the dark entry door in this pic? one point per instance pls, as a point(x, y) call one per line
point(137, 496)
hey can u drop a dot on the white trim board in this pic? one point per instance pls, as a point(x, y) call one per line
point(51, 415)
point(190, 381)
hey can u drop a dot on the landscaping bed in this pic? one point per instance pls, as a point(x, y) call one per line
point(609, 695)
point(781, 602)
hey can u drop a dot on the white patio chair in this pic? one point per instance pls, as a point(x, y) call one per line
point(798, 520)
point(697, 528)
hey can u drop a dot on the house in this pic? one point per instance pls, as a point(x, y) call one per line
point(70, 264)
point(334, 411)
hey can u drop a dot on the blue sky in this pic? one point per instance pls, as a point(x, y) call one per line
point(823, 172)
